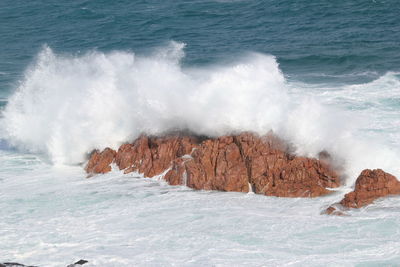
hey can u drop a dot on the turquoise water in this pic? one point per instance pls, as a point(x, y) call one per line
point(80, 75)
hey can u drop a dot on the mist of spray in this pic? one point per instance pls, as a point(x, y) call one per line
point(67, 105)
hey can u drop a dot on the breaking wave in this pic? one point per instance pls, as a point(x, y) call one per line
point(68, 105)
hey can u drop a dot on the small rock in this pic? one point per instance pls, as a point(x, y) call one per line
point(13, 264)
point(370, 185)
point(80, 262)
point(334, 211)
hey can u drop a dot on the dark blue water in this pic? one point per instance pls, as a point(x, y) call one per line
point(330, 41)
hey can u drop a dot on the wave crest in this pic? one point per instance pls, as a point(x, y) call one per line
point(68, 105)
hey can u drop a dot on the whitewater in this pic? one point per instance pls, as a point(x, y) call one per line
point(66, 105)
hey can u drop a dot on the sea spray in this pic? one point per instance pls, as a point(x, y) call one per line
point(68, 105)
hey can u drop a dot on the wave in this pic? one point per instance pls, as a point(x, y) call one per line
point(68, 105)
point(377, 103)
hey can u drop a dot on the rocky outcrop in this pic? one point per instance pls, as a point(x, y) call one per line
point(152, 156)
point(370, 185)
point(240, 163)
point(100, 162)
point(215, 164)
point(233, 163)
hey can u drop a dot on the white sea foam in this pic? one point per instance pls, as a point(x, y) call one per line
point(68, 105)
point(51, 216)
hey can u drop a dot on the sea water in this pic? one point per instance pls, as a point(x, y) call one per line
point(81, 75)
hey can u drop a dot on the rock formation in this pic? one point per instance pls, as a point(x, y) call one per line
point(240, 163)
point(100, 162)
point(370, 185)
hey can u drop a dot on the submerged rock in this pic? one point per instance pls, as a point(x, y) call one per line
point(14, 264)
point(335, 210)
point(78, 263)
point(240, 163)
point(370, 185)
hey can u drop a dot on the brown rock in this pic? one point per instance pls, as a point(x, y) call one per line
point(230, 163)
point(275, 172)
point(334, 211)
point(152, 156)
point(100, 162)
point(216, 164)
point(370, 185)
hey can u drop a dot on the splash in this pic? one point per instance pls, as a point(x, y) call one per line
point(68, 105)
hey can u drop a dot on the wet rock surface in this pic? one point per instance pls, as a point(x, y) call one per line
point(152, 156)
point(100, 161)
point(370, 185)
point(241, 163)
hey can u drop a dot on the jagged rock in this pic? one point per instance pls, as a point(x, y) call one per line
point(230, 163)
point(100, 161)
point(273, 171)
point(216, 164)
point(370, 185)
point(152, 156)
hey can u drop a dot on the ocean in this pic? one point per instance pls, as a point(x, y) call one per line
point(80, 75)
